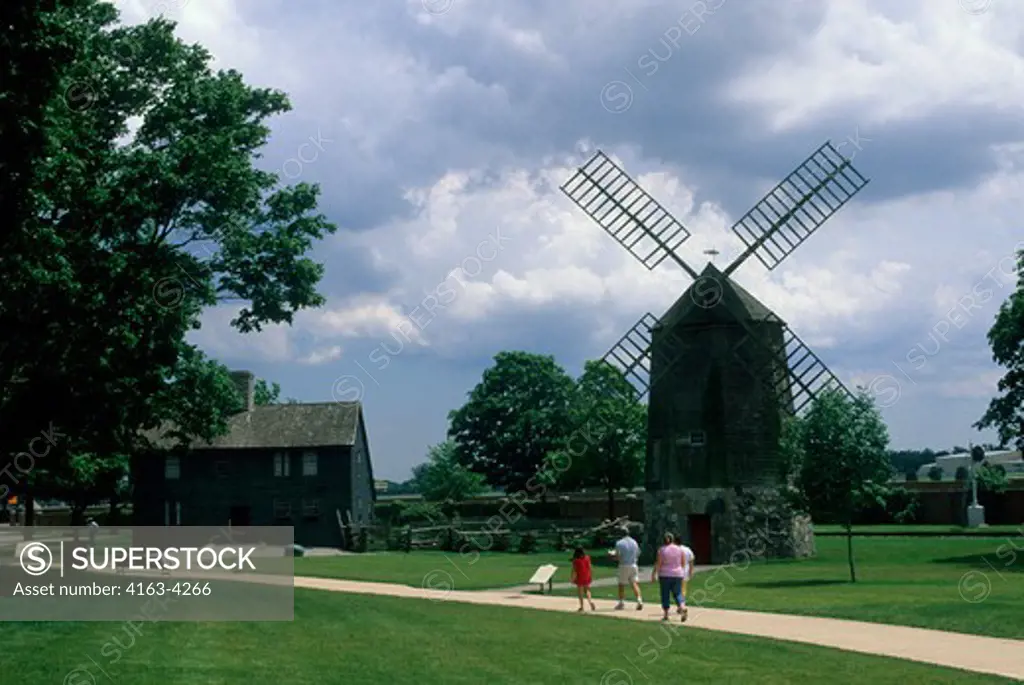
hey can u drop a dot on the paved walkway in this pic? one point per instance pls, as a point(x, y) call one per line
point(996, 656)
point(644, 575)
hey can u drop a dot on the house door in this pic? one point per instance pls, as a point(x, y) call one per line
point(700, 537)
point(240, 516)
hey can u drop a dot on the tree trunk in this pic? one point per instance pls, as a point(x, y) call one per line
point(849, 552)
point(611, 502)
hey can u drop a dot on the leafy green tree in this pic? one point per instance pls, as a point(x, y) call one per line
point(991, 478)
point(935, 473)
point(443, 478)
point(121, 239)
point(846, 466)
point(1005, 412)
point(905, 461)
point(607, 442)
point(515, 416)
point(962, 474)
point(268, 393)
point(264, 394)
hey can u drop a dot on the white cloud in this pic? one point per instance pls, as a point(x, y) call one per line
point(891, 61)
point(321, 356)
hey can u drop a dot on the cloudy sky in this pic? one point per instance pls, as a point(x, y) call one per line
point(440, 131)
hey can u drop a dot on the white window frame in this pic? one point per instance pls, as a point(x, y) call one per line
point(282, 509)
point(282, 465)
point(172, 468)
point(309, 463)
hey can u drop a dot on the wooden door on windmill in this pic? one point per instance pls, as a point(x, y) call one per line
point(700, 537)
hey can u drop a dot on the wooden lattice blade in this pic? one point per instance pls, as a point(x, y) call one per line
point(631, 355)
point(626, 211)
point(795, 376)
point(797, 207)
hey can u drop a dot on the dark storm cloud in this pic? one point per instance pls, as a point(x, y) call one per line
point(516, 106)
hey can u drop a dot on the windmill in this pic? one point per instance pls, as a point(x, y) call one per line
point(722, 370)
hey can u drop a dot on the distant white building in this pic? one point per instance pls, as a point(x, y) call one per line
point(1010, 460)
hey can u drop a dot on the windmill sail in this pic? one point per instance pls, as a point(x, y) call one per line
point(797, 207)
point(625, 211)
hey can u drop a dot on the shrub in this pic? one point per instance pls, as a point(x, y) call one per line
point(422, 512)
point(500, 542)
point(901, 506)
point(527, 543)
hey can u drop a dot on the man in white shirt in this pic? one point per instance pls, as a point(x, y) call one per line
point(627, 552)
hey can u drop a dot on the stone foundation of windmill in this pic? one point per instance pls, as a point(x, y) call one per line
point(729, 525)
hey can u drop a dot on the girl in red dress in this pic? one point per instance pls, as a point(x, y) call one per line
point(581, 576)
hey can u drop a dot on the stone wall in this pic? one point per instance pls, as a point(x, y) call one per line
point(754, 522)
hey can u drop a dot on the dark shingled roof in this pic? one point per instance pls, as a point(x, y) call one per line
point(319, 424)
point(734, 298)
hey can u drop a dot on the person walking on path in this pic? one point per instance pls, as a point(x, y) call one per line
point(688, 559)
point(672, 567)
point(582, 576)
point(627, 552)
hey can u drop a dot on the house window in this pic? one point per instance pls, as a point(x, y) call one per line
point(309, 463)
point(282, 465)
point(697, 438)
point(172, 468)
point(282, 509)
point(310, 508)
point(221, 468)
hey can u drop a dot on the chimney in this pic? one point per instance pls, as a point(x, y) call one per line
point(245, 383)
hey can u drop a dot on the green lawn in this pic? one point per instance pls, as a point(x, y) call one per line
point(994, 531)
point(447, 570)
point(969, 585)
point(340, 639)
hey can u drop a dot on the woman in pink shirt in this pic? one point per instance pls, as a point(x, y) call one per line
point(674, 565)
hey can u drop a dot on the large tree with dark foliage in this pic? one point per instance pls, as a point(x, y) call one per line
point(515, 417)
point(116, 239)
point(1005, 412)
point(608, 433)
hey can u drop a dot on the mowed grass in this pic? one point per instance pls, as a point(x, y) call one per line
point(967, 585)
point(341, 639)
point(446, 570)
point(909, 529)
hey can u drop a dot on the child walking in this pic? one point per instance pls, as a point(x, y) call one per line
point(581, 576)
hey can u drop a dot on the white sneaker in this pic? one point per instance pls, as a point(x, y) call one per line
point(620, 606)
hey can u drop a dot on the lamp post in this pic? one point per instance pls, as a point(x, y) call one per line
point(975, 512)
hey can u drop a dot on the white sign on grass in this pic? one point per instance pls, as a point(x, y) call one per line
point(543, 574)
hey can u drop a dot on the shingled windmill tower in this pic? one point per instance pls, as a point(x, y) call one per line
point(722, 370)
